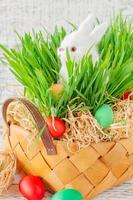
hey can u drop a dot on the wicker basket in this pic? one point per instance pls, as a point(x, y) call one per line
point(91, 170)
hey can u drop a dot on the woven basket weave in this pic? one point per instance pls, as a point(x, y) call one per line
point(91, 170)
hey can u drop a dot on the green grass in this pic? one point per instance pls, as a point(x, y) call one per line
point(111, 76)
point(36, 66)
point(119, 37)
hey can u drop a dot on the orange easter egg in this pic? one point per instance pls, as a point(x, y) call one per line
point(57, 89)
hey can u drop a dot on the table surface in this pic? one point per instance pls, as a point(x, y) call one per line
point(123, 192)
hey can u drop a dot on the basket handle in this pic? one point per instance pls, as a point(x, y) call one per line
point(39, 120)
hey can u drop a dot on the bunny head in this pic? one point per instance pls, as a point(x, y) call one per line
point(80, 41)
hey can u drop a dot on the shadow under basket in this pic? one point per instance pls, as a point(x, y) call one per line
point(92, 170)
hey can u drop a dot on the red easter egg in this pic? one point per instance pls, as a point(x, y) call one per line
point(126, 95)
point(56, 127)
point(32, 188)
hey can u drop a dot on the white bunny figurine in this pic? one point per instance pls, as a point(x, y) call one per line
point(80, 41)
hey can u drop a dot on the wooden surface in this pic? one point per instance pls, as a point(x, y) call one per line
point(23, 15)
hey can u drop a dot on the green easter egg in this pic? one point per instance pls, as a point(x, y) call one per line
point(67, 194)
point(104, 115)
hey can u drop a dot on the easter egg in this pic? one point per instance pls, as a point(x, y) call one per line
point(104, 115)
point(126, 95)
point(32, 188)
point(57, 89)
point(67, 194)
point(56, 126)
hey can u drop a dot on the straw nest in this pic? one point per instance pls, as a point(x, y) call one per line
point(82, 127)
point(7, 170)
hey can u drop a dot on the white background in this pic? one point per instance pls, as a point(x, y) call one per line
point(23, 15)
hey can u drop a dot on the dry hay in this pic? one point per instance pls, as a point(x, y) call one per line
point(19, 115)
point(7, 170)
point(82, 127)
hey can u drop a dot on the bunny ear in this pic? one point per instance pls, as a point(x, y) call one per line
point(87, 25)
point(98, 32)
